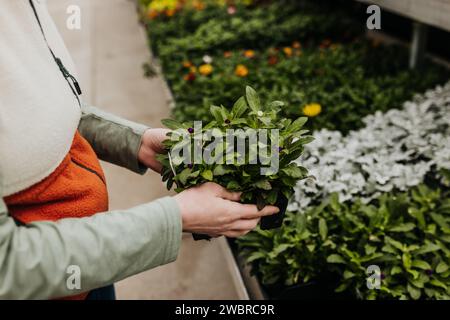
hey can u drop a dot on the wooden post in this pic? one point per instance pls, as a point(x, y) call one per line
point(418, 44)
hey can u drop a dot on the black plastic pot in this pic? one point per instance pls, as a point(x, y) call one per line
point(276, 220)
point(269, 222)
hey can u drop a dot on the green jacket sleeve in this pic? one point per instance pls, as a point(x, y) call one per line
point(114, 139)
point(37, 260)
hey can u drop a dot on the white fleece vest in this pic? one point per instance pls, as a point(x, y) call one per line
point(39, 113)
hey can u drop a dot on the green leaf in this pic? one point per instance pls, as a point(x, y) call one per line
point(323, 229)
point(417, 214)
point(217, 113)
point(441, 267)
point(256, 256)
point(280, 248)
point(421, 264)
point(221, 170)
point(396, 270)
point(297, 124)
point(440, 220)
point(348, 274)
point(342, 287)
point(272, 197)
point(239, 108)
point(208, 175)
point(294, 171)
point(263, 184)
point(306, 139)
point(275, 104)
point(335, 258)
point(171, 124)
point(233, 185)
point(429, 247)
point(394, 243)
point(413, 291)
point(438, 283)
point(253, 99)
point(404, 227)
point(184, 175)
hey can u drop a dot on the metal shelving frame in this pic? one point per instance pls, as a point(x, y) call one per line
point(424, 13)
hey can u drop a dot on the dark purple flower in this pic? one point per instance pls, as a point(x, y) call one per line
point(382, 276)
point(191, 130)
point(280, 149)
point(429, 272)
point(227, 121)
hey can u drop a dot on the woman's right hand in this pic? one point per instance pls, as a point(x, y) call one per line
point(211, 209)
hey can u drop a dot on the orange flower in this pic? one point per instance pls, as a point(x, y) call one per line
point(193, 69)
point(205, 69)
point(273, 60)
point(296, 45)
point(241, 71)
point(187, 64)
point(227, 54)
point(170, 12)
point(287, 51)
point(249, 54)
point(198, 5)
point(189, 77)
point(152, 14)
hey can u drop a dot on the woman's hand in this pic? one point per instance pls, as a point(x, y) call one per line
point(151, 146)
point(212, 210)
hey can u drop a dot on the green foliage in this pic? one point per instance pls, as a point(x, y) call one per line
point(231, 168)
point(349, 78)
point(407, 234)
point(348, 81)
point(276, 23)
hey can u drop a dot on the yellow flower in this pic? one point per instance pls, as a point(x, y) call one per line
point(249, 53)
point(241, 70)
point(193, 69)
point(205, 69)
point(312, 109)
point(287, 51)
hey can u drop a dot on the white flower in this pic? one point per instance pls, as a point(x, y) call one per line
point(207, 59)
point(394, 151)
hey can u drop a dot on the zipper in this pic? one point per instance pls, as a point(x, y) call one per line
point(88, 169)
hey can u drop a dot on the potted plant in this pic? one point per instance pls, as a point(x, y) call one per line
point(248, 148)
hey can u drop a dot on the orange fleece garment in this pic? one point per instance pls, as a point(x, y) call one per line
point(76, 189)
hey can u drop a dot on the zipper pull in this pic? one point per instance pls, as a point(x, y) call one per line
point(76, 84)
point(68, 75)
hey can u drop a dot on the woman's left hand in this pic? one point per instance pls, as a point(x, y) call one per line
point(151, 146)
